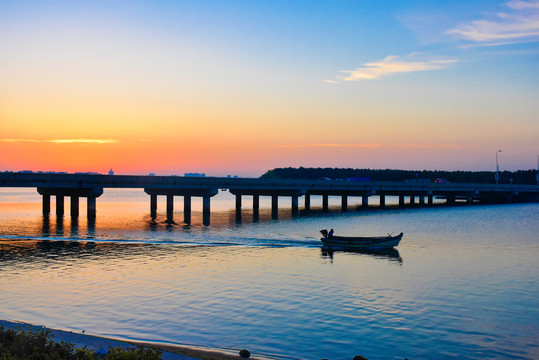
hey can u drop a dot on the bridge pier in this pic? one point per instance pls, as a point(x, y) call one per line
point(75, 194)
point(74, 206)
point(153, 206)
point(344, 203)
point(205, 193)
point(295, 207)
point(170, 208)
point(365, 201)
point(325, 203)
point(187, 209)
point(46, 204)
point(274, 207)
point(256, 193)
point(59, 205)
point(307, 202)
point(206, 210)
point(91, 207)
point(256, 208)
point(91, 186)
point(238, 208)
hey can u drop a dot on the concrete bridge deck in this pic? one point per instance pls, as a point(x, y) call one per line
point(92, 186)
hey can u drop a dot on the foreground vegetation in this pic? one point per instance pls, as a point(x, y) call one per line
point(481, 177)
point(39, 345)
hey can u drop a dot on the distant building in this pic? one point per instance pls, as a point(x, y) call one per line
point(194, 175)
point(111, 172)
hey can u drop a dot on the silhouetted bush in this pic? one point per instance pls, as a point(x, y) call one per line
point(39, 345)
point(478, 177)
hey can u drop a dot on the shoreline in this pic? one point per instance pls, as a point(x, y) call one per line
point(96, 342)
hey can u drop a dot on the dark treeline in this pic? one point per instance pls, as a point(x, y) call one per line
point(483, 177)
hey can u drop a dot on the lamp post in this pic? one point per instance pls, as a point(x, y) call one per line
point(497, 174)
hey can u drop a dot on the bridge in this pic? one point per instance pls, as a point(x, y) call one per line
point(91, 186)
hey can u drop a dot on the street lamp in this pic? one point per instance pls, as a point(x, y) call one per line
point(497, 174)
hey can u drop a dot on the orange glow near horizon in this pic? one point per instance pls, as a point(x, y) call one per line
point(98, 87)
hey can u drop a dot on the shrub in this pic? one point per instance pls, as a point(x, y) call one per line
point(40, 345)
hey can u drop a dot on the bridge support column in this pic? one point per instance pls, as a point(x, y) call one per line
point(206, 200)
point(187, 209)
point(421, 200)
point(170, 208)
point(256, 208)
point(295, 207)
point(74, 206)
point(469, 199)
point(325, 203)
point(401, 200)
point(59, 205)
point(412, 199)
point(46, 204)
point(344, 203)
point(238, 208)
point(450, 200)
point(153, 206)
point(91, 207)
point(274, 207)
point(75, 194)
point(430, 200)
point(382, 201)
point(307, 202)
point(365, 201)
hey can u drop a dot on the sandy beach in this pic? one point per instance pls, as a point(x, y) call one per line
point(170, 351)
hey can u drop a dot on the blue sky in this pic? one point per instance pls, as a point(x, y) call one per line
point(251, 85)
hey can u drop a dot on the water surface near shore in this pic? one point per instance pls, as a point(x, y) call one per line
point(462, 283)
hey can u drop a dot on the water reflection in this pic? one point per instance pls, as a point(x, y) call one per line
point(387, 254)
point(74, 226)
point(32, 250)
point(14, 252)
point(46, 226)
point(59, 227)
point(91, 228)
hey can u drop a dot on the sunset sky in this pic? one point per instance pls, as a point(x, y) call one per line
point(241, 87)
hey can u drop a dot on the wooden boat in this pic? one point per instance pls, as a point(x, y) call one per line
point(358, 242)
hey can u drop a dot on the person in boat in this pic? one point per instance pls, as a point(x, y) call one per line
point(330, 234)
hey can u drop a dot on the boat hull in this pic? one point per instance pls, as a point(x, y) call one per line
point(362, 242)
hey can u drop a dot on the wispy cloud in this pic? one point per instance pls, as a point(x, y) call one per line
point(84, 141)
point(519, 25)
point(392, 65)
point(18, 140)
point(65, 141)
point(373, 146)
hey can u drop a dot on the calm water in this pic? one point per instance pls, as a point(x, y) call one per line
point(463, 284)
